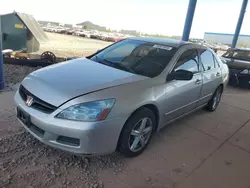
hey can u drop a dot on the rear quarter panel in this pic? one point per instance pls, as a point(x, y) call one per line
point(224, 71)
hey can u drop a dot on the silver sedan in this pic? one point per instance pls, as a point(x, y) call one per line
point(117, 98)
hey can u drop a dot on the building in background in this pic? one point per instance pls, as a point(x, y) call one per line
point(223, 38)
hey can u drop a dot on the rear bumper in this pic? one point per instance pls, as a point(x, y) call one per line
point(90, 138)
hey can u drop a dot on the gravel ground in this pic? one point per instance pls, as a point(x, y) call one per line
point(16, 73)
point(26, 162)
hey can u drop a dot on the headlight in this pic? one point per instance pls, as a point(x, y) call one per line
point(90, 111)
point(246, 71)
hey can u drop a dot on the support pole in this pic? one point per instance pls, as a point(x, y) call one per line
point(239, 24)
point(1, 59)
point(189, 20)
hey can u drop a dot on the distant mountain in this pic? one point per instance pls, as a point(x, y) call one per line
point(46, 23)
point(129, 32)
point(90, 25)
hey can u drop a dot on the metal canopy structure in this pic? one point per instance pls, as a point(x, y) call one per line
point(185, 36)
point(1, 59)
point(239, 24)
point(189, 20)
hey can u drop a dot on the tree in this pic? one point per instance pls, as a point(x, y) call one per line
point(85, 27)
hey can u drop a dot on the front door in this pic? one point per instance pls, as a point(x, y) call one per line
point(182, 96)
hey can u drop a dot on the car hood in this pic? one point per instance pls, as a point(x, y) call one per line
point(236, 64)
point(61, 82)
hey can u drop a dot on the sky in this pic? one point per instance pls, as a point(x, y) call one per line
point(151, 16)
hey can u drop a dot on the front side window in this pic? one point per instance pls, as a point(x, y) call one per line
point(139, 57)
point(188, 61)
point(207, 60)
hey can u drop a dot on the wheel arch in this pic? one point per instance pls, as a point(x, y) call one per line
point(151, 107)
point(222, 86)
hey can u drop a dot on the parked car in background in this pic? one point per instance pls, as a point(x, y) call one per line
point(69, 31)
point(117, 98)
point(238, 61)
point(102, 36)
point(87, 33)
point(111, 38)
point(61, 30)
point(94, 35)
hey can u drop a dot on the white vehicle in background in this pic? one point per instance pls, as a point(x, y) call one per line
point(86, 33)
point(79, 33)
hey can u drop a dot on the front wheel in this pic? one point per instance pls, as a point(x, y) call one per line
point(215, 100)
point(137, 133)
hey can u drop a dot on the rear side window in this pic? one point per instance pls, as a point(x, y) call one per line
point(217, 64)
point(207, 60)
point(188, 61)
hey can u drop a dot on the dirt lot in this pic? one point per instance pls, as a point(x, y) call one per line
point(71, 46)
point(203, 150)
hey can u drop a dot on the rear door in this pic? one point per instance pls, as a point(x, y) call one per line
point(211, 75)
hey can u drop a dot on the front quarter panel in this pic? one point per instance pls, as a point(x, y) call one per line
point(129, 97)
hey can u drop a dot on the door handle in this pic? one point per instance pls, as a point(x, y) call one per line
point(198, 82)
point(217, 74)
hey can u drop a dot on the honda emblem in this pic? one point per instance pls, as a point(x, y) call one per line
point(29, 101)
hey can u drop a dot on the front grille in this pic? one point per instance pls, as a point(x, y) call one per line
point(37, 103)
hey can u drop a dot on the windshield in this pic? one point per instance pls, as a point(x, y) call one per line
point(238, 54)
point(139, 57)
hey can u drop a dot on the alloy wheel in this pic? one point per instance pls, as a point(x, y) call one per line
point(216, 99)
point(140, 134)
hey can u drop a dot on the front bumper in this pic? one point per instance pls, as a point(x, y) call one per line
point(89, 138)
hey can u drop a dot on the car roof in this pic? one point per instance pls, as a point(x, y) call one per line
point(163, 41)
point(240, 49)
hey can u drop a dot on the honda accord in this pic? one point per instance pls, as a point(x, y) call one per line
point(119, 97)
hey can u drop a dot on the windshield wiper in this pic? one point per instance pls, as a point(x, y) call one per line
point(119, 66)
point(97, 58)
point(108, 63)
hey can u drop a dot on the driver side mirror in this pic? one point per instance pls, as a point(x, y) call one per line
point(180, 75)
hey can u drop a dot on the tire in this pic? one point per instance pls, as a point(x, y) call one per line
point(132, 133)
point(215, 100)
